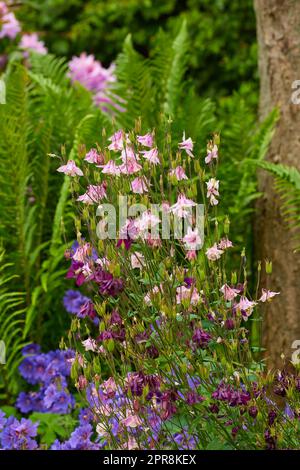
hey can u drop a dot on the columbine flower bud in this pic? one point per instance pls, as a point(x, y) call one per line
point(226, 225)
point(269, 267)
point(217, 139)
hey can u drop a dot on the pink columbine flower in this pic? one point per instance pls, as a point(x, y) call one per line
point(111, 168)
point(82, 253)
point(149, 296)
point(187, 145)
point(191, 255)
point(130, 163)
point(212, 153)
point(145, 221)
point(9, 25)
point(94, 194)
point(31, 42)
point(137, 260)
point(140, 185)
point(179, 173)
point(182, 208)
point(214, 253)
point(94, 157)
point(118, 140)
point(165, 206)
point(132, 443)
point(245, 305)
point(212, 191)
point(187, 293)
point(192, 239)
point(151, 156)
point(109, 386)
point(145, 140)
point(267, 295)
point(130, 167)
point(131, 420)
point(224, 243)
point(228, 292)
point(70, 169)
point(90, 345)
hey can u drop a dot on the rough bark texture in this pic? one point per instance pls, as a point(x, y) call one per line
point(278, 31)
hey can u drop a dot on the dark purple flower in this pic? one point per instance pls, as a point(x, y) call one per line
point(105, 335)
point(271, 417)
point(201, 338)
point(253, 411)
point(270, 440)
point(214, 408)
point(193, 397)
point(115, 318)
point(229, 324)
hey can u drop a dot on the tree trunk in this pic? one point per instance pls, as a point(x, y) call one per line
point(278, 31)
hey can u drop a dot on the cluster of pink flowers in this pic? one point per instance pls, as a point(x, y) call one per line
point(31, 42)
point(9, 25)
point(88, 71)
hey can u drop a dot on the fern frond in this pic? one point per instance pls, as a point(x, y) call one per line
point(287, 185)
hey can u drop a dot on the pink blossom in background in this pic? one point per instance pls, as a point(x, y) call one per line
point(187, 293)
point(214, 253)
point(131, 420)
point(191, 255)
point(9, 25)
point(111, 168)
point(212, 191)
point(70, 169)
point(118, 140)
point(90, 345)
point(88, 71)
point(145, 140)
point(183, 203)
point(192, 239)
point(179, 173)
point(228, 292)
point(267, 295)
point(137, 260)
point(187, 145)
point(31, 42)
point(140, 185)
point(151, 156)
point(94, 157)
point(245, 305)
point(94, 194)
point(224, 243)
point(130, 164)
point(212, 154)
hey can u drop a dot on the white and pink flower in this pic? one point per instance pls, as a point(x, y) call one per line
point(178, 173)
point(213, 253)
point(212, 191)
point(70, 169)
point(187, 145)
point(140, 185)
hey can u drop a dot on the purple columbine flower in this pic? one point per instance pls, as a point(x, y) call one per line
point(201, 338)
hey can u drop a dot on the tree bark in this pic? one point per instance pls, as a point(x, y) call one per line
point(278, 32)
